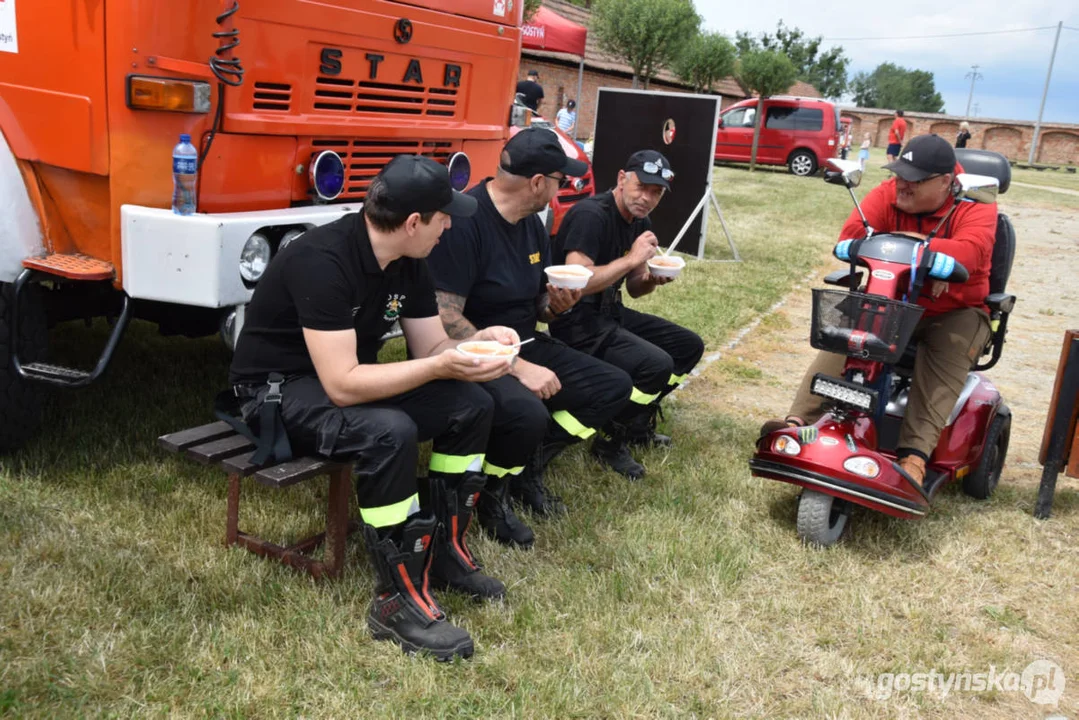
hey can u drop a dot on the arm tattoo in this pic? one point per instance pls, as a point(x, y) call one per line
point(451, 310)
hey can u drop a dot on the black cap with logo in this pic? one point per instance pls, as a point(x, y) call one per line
point(537, 151)
point(419, 184)
point(924, 156)
point(651, 168)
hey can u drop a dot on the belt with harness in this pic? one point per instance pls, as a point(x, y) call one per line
point(608, 304)
point(271, 441)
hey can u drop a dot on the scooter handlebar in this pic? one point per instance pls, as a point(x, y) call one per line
point(947, 268)
point(857, 342)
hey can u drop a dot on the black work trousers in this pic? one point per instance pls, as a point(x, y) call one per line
point(656, 353)
point(381, 438)
point(593, 392)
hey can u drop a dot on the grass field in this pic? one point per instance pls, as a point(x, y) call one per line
point(685, 595)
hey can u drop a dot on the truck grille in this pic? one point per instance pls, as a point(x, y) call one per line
point(369, 98)
point(272, 96)
point(365, 158)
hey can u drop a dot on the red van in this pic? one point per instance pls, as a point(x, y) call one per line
point(798, 132)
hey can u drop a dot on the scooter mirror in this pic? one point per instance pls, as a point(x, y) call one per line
point(843, 172)
point(976, 188)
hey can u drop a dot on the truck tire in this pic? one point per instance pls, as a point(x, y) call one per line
point(20, 401)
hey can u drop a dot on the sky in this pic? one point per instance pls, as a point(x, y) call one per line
point(1012, 65)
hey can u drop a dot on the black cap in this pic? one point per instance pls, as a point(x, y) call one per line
point(533, 73)
point(637, 162)
point(571, 104)
point(419, 184)
point(537, 151)
point(923, 156)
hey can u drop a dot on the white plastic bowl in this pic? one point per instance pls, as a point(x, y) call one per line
point(487, 350)
point(674, 269)
point(570, 277)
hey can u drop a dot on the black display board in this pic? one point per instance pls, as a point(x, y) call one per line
point(683, 128)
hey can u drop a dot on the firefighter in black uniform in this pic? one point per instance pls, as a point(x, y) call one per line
point(315, 322)
point(611, 234)
point(489, 269)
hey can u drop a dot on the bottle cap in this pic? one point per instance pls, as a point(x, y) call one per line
point(184, 137)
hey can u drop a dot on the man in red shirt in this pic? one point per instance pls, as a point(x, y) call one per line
point(896, 135)
point(954, 328)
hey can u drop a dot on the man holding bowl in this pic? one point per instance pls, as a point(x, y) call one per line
point(611, 235)
point(492, 269)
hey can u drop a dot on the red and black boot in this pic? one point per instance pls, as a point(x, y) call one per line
point(455, 567)
point(403, 610)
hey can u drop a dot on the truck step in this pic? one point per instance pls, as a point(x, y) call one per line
point(72, 266)
point(55, 374)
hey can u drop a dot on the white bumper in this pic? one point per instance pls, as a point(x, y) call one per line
point(195, 259)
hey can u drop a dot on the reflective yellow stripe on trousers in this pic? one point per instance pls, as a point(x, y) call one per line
point(498, 472)
point(391, 514)
point(456, 464)
point(571, 425)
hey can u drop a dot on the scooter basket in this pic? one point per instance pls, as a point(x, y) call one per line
point(864, 326)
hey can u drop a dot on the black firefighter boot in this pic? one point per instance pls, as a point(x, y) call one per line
point(642, 429)
point(454, 566)
point(529, 489)
point(611, 449)
point(403, 610)
point(497, 518)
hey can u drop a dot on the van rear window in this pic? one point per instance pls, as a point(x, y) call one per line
point(794, 118)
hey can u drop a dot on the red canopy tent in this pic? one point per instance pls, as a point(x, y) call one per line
point(547, 30)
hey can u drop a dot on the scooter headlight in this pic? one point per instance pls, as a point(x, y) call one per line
point(254, 257)
point(786, 445)
point(859, 465)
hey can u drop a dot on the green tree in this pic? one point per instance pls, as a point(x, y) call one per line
point(891, 86)
point(825, 70)
point(531, 8)
point(706, 59)
point(645, 34)
point(764, 72)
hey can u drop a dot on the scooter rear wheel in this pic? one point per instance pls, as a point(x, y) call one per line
point(981, 483)
point(821, 518)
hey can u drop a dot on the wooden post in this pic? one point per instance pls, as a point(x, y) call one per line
point(232, 515)
point(1058, 440)
point(337, 520)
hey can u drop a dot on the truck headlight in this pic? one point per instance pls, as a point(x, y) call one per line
point(327, 175)
point(460, 168)
point(254, 257)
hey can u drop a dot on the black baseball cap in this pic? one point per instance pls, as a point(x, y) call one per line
point(924, 156)
point(419, 184)
point(537, 151)
point(661, 176)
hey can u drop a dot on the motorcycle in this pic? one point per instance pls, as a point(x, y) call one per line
point(847, 458)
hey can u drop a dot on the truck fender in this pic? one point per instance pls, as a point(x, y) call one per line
point(20, 227)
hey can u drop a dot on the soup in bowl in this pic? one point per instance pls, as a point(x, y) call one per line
point(570, 277)
point(666, 266)
point(487, 350)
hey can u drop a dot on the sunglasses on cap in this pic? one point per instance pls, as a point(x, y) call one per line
point(653, 168)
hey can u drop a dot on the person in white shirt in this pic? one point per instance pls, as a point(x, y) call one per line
point(566, 118)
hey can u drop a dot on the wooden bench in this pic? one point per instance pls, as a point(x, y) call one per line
point(217, 444)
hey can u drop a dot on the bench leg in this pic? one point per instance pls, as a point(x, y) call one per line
point(232, 518)
point(337, 520)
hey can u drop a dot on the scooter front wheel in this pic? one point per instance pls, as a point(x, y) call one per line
point(821, 518)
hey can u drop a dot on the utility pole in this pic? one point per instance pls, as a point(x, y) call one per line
point(973, 75)
point(1045, 92)
point(976, 108)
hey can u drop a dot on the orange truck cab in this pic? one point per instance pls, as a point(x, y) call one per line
point(95, 95)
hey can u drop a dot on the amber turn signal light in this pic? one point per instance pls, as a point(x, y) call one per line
point(155, 93)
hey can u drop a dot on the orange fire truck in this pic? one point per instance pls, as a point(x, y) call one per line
point(294, 106)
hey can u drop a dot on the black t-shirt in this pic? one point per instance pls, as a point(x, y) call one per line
point(532, 91)
point(327, 279)
point(595, 228)
point(497, 266)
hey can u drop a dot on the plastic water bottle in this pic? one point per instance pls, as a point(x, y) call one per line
point(185, 165)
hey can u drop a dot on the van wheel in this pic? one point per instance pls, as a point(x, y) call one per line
point(802, 163)
point(20, 401)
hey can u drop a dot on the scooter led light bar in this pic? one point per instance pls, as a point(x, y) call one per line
point(845, 392)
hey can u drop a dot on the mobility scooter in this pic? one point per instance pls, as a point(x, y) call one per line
point(847, 458)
